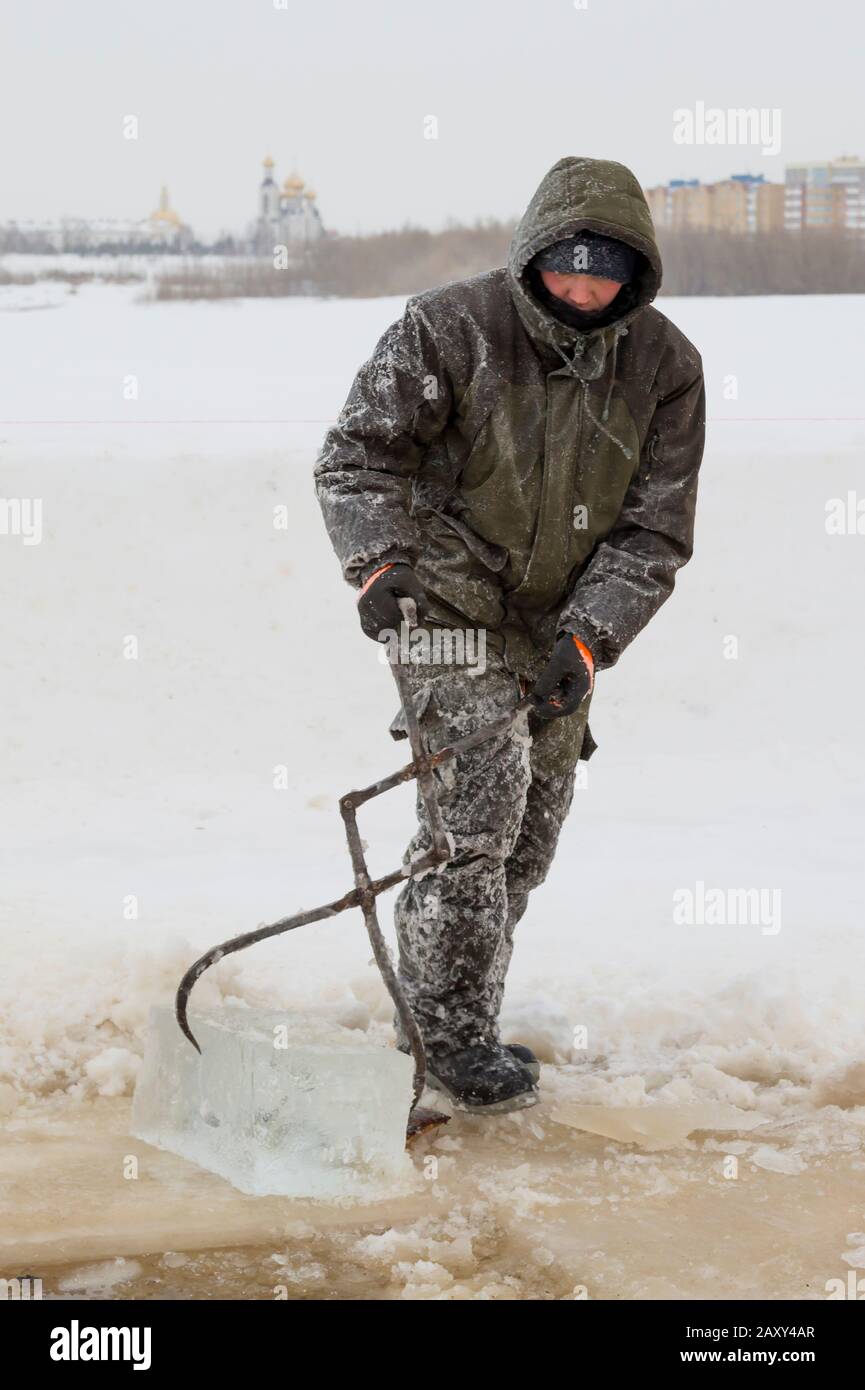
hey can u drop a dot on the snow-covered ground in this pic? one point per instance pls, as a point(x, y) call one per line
point(141, 823)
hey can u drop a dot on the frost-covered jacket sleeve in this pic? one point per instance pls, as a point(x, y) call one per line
point(632, 571)
point(401, 399)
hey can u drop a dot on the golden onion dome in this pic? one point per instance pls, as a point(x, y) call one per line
point(309, 194)
point(268, 163)
point(165, 213)
point(293, 184)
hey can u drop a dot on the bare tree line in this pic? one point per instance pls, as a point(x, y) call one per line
point(724, 263)
point(411, 260)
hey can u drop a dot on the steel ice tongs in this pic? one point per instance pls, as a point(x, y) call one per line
point(366, 890)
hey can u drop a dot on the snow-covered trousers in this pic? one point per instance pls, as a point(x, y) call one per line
point(455, 925)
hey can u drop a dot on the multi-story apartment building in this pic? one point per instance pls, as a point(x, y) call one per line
point(829, 195)
point(748, 203)
point(742, 203)
point(680, 203)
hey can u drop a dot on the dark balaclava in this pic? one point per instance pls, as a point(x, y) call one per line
point(586, 253)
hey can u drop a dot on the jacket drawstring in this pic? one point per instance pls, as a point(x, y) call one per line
point(629, 453)
point(618, 332)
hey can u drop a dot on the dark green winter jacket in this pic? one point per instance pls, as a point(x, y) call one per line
point(536, 477)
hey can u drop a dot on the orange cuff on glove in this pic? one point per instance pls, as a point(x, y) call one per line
point(373, 577)
point(587, 658)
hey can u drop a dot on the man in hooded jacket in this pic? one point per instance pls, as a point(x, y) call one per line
point(520, 457)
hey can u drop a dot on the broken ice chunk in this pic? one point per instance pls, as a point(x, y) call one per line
point(777, 1160)
point(654, 1126)
point(279, 1107)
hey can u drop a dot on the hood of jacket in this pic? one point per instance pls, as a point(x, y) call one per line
point(595, 194)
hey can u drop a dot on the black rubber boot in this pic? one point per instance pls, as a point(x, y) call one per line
point(527, 1057)
point(487, 1078)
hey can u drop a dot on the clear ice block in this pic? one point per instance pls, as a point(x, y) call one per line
point(277, 1106)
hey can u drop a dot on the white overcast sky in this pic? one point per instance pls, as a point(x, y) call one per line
point(341, 89)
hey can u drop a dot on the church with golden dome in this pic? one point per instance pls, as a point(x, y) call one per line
point(287, 215)
point(164, 226)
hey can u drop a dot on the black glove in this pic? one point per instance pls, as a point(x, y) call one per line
point(565, 680)
point(378, 604)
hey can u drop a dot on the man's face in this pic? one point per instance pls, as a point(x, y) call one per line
point(590, 293)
